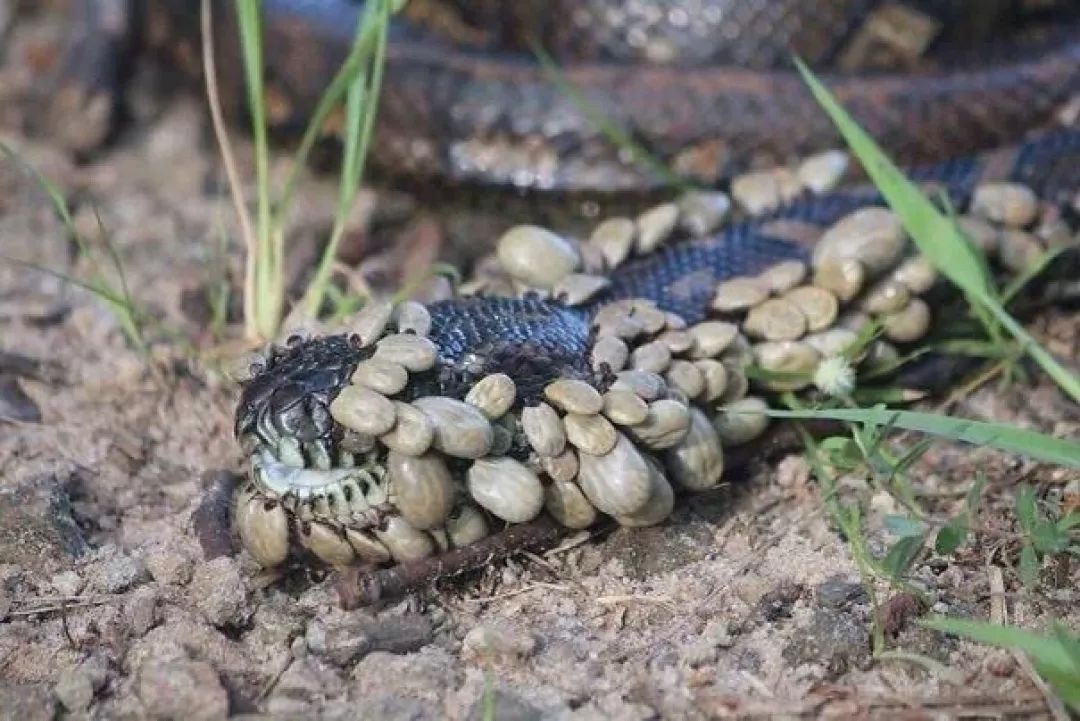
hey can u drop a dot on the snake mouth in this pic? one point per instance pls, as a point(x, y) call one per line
point(420, 429)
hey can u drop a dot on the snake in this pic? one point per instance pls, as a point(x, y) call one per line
point(431, 438)
point(582, 381)
point(705, 87)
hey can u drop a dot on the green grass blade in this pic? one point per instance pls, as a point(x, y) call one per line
point(1000, 436)
point(121, 302)
point(1032, 271)
point(56, 196)
point(117, 262)
point(101, 292)
point(936, 235)
point(1046, 650)
point(361, 105)
point(354, 63)
point(1068, 382)
point(269, 279)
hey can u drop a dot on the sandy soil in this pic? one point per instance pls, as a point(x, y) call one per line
point(746, 604)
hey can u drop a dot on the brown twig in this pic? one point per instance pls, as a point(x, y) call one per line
point(62, 605)
point(356, 589)
point(272, 683)
point(359, 588)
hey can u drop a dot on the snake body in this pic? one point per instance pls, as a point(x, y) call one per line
point(473, 105)
point(309, 413)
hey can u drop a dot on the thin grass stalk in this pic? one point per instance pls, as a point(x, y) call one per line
point(269, 278)
point(120, 302)
point(335, 91)
point(1010, 439)
point(361, 106)
point(232, 173)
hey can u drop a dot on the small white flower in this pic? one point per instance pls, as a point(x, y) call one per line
point(835, 376)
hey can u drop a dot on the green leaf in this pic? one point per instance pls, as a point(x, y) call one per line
point(1070, 521)
point(1026, 513)
point(757, 373)
point(951, 535)
point(841, 451)
point(904, 527)
point(1042, 648)
point(974, 495)
point(1065, 685)
point(901, 555)
point(1070, 644)
point(998, 435)
point(872, 395)
point(1029, 566)
point(1047, 538)
point(909, 458)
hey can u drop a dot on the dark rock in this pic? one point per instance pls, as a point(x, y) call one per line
point(17, 364)
point(837, 640)
point(344, 639)
point(777, 603)
point(15, 404)
point(502, 705)
point(212, 519)
point(839, 592)
point(36, 527)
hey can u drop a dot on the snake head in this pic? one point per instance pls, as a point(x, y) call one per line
point(359, 443)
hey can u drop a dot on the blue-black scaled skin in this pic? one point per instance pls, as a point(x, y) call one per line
point(535, 341)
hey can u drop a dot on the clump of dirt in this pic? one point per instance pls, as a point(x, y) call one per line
point(745, 603)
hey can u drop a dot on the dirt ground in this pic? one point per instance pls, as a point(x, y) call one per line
point(746, 604)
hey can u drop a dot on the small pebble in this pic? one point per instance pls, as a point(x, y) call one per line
point(497, 640)
point(217, 590)
point(182, 689)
